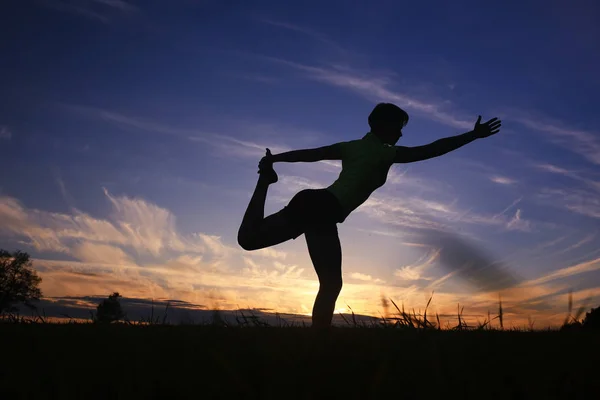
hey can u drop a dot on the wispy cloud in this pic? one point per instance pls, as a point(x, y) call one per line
point(365, 277)
point(511, 205)
point(311, 33)
point(135, 226)
point(426, 213)
point(376, 87)
point(127, 122)
point(100, 253)
point(587, 239)
point(5, 133)
point(587, 266)
point(63, 189)
point(575, 175)
point(517, 223)
point(99, 10)
point(580, 199)
point(75, 278)
point(244, 148)
point(441, 280)
point(136, 229)
point(255, 77)
point(226, 144)
point(553, 169)
point(584, 143)
point(118, 4)
point(575, 200)
point(398, 212)
point(372, 84)
point(403, 177)
point(502, 180)
point(415, 271)
point(272, 275)
point(293, 184)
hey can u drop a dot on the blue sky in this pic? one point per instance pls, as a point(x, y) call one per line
point(130, 134)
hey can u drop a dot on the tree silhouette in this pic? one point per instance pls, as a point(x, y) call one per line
point(592, 319)
point(18, 281)
point(109, 310)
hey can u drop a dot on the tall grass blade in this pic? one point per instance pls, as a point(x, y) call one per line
point(500, 313)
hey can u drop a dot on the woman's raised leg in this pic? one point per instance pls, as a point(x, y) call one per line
point(256, 231)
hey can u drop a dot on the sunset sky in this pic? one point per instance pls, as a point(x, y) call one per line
point(130, 133)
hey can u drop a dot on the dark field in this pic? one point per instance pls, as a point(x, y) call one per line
point(84, 361)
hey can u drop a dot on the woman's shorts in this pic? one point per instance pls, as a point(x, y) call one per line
point(315, 209)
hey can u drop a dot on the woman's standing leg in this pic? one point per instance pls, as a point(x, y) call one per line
point(326, 254)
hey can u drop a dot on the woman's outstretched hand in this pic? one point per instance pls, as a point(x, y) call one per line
point(486, 129)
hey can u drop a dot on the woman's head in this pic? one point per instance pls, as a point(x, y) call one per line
point(386, 121)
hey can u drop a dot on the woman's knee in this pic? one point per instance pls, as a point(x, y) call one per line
point(332, 285)
point(246, 241)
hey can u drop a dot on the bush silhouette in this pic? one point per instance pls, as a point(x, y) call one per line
point(18, 281)
point(592, 319)
point(110, 310)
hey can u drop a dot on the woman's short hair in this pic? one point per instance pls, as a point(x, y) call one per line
point(387, 113)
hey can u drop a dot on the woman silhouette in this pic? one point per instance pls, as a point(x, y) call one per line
point(316, 212)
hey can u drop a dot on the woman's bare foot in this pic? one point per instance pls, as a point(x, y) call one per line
point(265, 169)
point(268, 174)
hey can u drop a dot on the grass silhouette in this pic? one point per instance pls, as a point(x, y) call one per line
point(402, 355)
